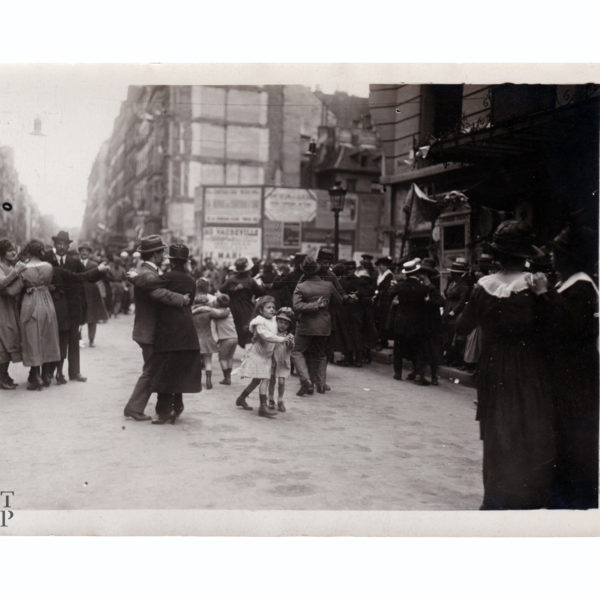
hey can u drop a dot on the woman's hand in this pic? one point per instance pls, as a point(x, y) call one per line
point(537, 283)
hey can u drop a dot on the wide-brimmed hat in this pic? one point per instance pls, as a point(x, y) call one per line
point(513, 238)
point(309, 266)
point(242, 264)
point(151, 243)
point(62, 236)
point(179, 252)
point(459, 265)
point(411, 266)
point(578, 244)
point(285, 312)
point(85, 245)
point(325, 254)
point(384, 260)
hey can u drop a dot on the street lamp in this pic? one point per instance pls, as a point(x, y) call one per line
point(337, 197)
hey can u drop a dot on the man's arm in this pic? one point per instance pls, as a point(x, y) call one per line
point(155, 285)
point(300, 305)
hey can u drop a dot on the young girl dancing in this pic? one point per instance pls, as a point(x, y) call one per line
point(257, 363)
point(201, 314)
point(280, 367)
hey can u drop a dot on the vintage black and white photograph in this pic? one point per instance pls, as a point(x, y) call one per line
point(292, 293)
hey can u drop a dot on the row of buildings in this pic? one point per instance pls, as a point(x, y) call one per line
point(429, 169)
point(20, 218)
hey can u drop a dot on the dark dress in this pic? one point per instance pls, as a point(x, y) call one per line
point(176, 364)
point(572, 354)
point(242, 290)
point(514, 395)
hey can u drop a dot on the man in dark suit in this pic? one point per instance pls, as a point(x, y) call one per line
point(147, 292)
point(311, 301)
point(69, 302)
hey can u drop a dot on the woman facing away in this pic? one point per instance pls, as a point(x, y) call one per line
point(572, 353)
point(39, 326)
point(11, 286)
point(176, 362)
point(514, 409)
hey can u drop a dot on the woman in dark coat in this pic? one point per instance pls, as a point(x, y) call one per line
point(242, 289)
point(176, 364)
point(95, 309)
point(572, 354)
point(514, 395)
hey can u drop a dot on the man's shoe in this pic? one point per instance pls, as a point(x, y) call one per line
point(7, 385)
point(161, 419)
point(78, 377)
point(241, 402)
point(305, 389)
point(281, 406)
point(411, 376)
point(398, 376)
point(136, 416)
point(46, 380)
point(434, 380)
point(420, 380)
point(60, 379)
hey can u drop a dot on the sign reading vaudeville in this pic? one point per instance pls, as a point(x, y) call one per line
point(235, 205)
point(290, 204)
point(228, 243)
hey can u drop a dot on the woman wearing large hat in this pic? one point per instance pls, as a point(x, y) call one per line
point(242, 290)
point(572, 354)
point(514, 395)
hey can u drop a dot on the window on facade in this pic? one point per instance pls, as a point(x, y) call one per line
point(454, 237)
point(442, 109)
point(510, 101)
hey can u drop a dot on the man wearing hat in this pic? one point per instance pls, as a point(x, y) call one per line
point(149, 290)
point(367, 264)
point(407, 321)
point(457, 292)
point(242, 289)
point(311, 303)
point(95, 307)
point(69, 302)
point(382, 299)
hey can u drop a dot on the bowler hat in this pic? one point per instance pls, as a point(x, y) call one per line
point(86, 246)
point(325, 254)
point(384, 260)
point(151, 243)
point(459, 265)
point(411, 266)
point(366, 256)
point(62, 236)
point(350, 263)
point(179, 252)
point(309, 266)
point(513, 238)
point(242, 265)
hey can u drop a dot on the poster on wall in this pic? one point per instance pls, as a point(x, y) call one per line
point(235, 205)
point(291, 235)
point(290, 204)
point(225, 244)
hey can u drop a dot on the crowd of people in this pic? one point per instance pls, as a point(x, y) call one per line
point(524, 319)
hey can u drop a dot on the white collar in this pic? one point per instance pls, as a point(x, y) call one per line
point(496, 287)
point(147, 262)
point(383, 275)
point(581, 276)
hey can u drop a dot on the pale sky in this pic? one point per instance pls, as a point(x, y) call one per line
point(77, 106)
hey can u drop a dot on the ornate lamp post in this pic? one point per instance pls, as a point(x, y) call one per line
point(337, 197)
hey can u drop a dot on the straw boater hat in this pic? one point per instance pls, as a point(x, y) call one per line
point(411, 266)
point(243, 265)
point(62, 236)
point(151, 243)
point(459, 265)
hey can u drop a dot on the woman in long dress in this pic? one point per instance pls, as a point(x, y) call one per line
point(572, 354)
point(11, 286)
point(39, 326)
point(514, 409)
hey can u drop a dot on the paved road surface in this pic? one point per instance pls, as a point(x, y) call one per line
point(372, 443)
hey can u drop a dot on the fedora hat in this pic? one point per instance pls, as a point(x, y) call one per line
point(179, 252)
point(85, 245)
point(366, 256)
point(513, 238)
point(242, 264)
point(62, 236)
point(411, 266)
point(459, 265)
point(428, 265)
point(577, 244)
point(151, 243)
point(325, 254)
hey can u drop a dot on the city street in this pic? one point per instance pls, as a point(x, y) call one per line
point(373, 443)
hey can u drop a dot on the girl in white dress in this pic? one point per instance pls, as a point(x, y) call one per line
point(257, 363)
